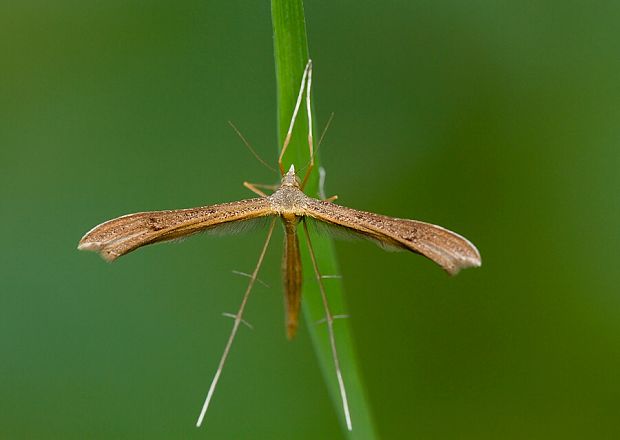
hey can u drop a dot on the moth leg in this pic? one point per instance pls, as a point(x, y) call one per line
point(254, 187)
point(324, 320)
point(237, 322)
point(249, 275)
point(322, 175)
point(243, 321)
point(287, 139)
point(329, 318)
point(309, 112)
point(331, 199)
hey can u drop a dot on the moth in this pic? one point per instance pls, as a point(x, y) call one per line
point(117, 237)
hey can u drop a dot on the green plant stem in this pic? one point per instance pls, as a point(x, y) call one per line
point(291, 56)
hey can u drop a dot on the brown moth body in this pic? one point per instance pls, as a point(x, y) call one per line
point(122, 235)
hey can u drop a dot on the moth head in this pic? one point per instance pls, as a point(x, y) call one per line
point(290, 178)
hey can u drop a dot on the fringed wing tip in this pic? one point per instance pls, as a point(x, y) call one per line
point(96, 247)
point(464, 261)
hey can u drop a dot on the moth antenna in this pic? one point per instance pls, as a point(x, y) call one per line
point(252, 150)
point(249, 275)
point(289, 133)
point(238, 320)
point(243, 321)
point(329, 121)
point(327, 124)
point(330, 330)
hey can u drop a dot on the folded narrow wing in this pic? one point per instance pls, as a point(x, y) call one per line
point(446, 248)
point(121, 235)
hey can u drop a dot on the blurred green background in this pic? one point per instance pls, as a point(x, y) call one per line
point(498, 120)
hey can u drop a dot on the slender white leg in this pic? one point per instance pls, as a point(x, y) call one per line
point(322, 174)
point(289, 133)
point(309, 112)
point(238, 321)
point(330, 327)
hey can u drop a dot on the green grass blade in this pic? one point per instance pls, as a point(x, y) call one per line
point(291, 55)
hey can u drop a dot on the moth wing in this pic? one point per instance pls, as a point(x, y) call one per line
point(122, 235)
point(446, 248)
point(342, 233)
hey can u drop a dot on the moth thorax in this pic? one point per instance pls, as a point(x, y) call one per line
point(288, 200)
